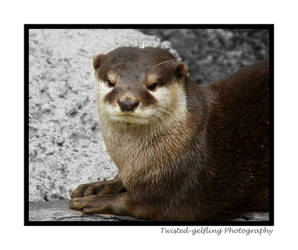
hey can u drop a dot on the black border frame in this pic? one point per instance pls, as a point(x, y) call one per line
point(27, 27)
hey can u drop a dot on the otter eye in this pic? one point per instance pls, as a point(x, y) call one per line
point(152, 86)
point(110, 84)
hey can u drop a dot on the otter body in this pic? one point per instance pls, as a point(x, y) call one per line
point(184, 152)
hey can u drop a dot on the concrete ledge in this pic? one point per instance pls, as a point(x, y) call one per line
point(60, 211)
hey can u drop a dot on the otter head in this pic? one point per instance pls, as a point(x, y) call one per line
point(139, 86)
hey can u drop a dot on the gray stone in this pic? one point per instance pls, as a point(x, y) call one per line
point(261, 216)
point(60, 211)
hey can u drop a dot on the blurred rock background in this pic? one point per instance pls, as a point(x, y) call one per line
point(213, 53)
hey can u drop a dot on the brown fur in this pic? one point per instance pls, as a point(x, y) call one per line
point(207, 161)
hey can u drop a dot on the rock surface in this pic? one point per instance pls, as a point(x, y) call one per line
point(59, 211)
point(65, 143)
point(214, 53)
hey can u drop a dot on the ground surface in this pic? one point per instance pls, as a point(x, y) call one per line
point(59, 211)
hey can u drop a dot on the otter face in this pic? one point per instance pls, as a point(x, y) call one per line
point(139, 86)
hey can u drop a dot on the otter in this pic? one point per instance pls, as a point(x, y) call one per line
point(184, 151)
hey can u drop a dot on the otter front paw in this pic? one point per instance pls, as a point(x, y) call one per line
point(92, 204)
point(88, 189)
point(80, 202)
point(98, 188)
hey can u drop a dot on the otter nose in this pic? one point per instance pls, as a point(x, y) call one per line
point(128, 105)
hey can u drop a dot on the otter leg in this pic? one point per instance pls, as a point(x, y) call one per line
point(99, 188)
point(117, 204)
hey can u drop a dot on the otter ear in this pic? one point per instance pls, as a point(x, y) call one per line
point(97, 61)
point(181, 69)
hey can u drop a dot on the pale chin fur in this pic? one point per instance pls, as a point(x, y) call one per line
point(137, 117)
point(128, 119)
